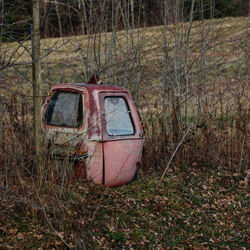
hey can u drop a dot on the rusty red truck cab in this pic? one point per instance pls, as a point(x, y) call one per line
point(97, 127)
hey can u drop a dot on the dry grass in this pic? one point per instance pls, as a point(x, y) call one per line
point(61, 56)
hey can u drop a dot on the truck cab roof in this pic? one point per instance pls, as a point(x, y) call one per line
point(89, 87)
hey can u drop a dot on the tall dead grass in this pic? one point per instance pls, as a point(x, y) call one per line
point(218, 140)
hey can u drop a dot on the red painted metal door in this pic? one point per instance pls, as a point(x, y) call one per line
point(122, 138)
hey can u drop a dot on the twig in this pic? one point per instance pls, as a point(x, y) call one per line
point(174, 153)
point(241, 153)
point(49, 223)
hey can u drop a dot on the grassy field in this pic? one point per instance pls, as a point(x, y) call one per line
point(66, 59)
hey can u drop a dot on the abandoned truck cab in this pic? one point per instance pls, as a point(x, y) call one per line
point(98, 128)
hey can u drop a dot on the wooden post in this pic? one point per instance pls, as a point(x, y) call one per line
point(36, 75)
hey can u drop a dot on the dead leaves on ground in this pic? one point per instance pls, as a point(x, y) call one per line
point(210, 209)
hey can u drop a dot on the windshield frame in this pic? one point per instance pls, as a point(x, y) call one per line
point(128, 112)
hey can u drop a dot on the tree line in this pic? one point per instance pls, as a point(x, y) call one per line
point(63, 17)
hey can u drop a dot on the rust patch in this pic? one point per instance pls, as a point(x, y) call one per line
point(80, 171)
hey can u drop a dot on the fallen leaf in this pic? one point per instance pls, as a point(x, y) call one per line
point(20, 236)
point(12, 231)
point(38, 236)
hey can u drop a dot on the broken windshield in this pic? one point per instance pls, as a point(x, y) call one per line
point(65, 110)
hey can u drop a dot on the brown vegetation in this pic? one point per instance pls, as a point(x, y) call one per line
point(194, 85)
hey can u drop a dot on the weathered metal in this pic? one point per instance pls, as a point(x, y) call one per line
point(106, 139)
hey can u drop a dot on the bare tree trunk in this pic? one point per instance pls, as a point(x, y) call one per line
point(46, 19)
point(214, 54)
point(1, 24)
point(246, 49)
point(36, 73)
point(127, 27)
point(112, 50)
point(243, 97)
point(176, 90)
point(138, 79)
point(202, 65)
point(132, 14)
point(186, 73)
point(85, 18)
point(58, 18)
point(165, 61)
point(165, 82)
point(122, 14)
point(91, 19)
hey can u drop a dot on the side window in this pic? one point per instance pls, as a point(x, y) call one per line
point(118, 117)
point(65, 109)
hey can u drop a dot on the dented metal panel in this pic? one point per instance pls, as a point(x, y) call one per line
point(95, 162)
point(121, 159)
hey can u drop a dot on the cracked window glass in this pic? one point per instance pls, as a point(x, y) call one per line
point(65, 110)
point(118, 117)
